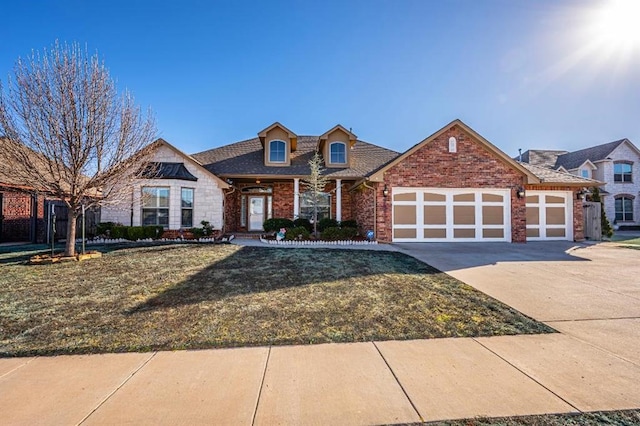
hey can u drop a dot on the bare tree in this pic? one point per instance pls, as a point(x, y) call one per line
point(69, 132)
point(315, 184)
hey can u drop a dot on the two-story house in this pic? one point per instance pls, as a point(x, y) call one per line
point(616, 164)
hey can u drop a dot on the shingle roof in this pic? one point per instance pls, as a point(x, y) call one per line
point(247, 158)
point(575, 159)
point(541, 157)
point(548, 176)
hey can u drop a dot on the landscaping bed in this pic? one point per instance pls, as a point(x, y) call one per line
point(190, 296)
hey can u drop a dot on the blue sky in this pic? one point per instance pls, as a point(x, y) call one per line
point(524, 74)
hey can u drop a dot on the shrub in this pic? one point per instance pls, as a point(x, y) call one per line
point(197, 232)
point(304, 223)
point(274, 224)
point(349, 224)
point(135, 233)
point(104, 227)
point(335, 233)
point(327, 223)
point(152, 231)
point(119, 231)
point(297, 233)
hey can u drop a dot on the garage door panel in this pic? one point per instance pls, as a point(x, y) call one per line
point(435, 233)
point(409, 196)
point(554, 199)
point(493, 233)
point(404, 233)
point(556, 232)
point(404, 215)
point(433, 197)
point(556, 216)
point(464, 233)
point(464, 215)
point(492, 198)
point(435, 215)
point(533, 215)
point(492, 215)
point(470, 197)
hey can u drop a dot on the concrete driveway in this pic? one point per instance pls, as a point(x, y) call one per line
point(588, 291)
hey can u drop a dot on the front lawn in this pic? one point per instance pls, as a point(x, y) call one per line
point(204, 296)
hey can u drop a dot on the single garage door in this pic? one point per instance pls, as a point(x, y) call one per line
point(436, 214)
point(549, 215)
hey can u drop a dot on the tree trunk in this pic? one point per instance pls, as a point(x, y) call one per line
point(70, 246)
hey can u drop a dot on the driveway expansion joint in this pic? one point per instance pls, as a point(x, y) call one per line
point(264, 375)
point(528, 375)
point(17, 368)
point(399, 384)
point(124, 382)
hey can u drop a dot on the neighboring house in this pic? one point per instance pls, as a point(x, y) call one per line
point(178, 194)
point(22, 208)
point(617, 164)
point(453, 186)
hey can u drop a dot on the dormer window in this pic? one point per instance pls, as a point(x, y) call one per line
point(338, 153)
point(277, 151)
point(585, 173)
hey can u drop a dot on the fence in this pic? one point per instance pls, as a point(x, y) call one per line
point(592, 223)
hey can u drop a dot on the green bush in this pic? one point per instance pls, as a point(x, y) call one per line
point(103, 227)
point(274, 224)
point(304, 223)
point(349, 224)
point(335, 233)
point(327, 223)
point(135, 233)
point(297, 233)
point(197, 232)
point(153, 231)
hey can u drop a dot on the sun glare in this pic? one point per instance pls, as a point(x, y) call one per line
point(616, 25)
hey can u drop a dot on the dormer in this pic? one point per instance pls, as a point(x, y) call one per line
point(278, 143)
point(335, 146)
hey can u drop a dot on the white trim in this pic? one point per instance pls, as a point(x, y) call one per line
point(296, 198)
point(339, 200)
point(449, 204)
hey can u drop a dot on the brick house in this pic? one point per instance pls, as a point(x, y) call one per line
point(453, 186)
point(617, 164)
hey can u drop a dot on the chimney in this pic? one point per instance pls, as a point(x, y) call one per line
point(520, 155)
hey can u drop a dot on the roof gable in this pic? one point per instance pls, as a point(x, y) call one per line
point(293, 138)
point(161, 142)
point(378, 175)
point(573, 160)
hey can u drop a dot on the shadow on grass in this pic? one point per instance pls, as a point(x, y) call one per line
point(259, 270)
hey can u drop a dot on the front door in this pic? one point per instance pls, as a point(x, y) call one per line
point(256, 213)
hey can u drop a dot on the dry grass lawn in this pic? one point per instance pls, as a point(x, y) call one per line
point(206, 296)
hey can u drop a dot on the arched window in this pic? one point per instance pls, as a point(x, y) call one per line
point(277, 151)
point(622, 172)
point(624, 208)
point(337, 153)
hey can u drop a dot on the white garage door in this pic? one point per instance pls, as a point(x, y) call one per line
point(436, 214)
point(549, 215)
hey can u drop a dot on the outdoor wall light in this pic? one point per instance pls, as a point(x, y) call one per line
point(520, 192)
point(580, 195)
point(385, 191)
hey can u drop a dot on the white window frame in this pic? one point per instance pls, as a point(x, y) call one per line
point(344, 151)
point(183, 208)
point(157, 207)
point(271, 151)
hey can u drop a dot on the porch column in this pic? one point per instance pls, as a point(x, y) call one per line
point(296, 198)
point(339, 200)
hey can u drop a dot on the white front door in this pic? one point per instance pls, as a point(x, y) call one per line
point(256, 213)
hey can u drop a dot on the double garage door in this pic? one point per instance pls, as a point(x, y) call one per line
point(435, 214)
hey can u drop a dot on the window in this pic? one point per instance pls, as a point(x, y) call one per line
point(307, 205)
point(277, 152)
point(622, 172)
point(624, 209)
point(155, 206)
point(338, 153)
point(584, 173)
point(187, 208)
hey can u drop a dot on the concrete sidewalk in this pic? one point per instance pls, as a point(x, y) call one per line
point(593, 364)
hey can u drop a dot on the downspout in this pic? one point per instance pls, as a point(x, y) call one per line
point(375, 209)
